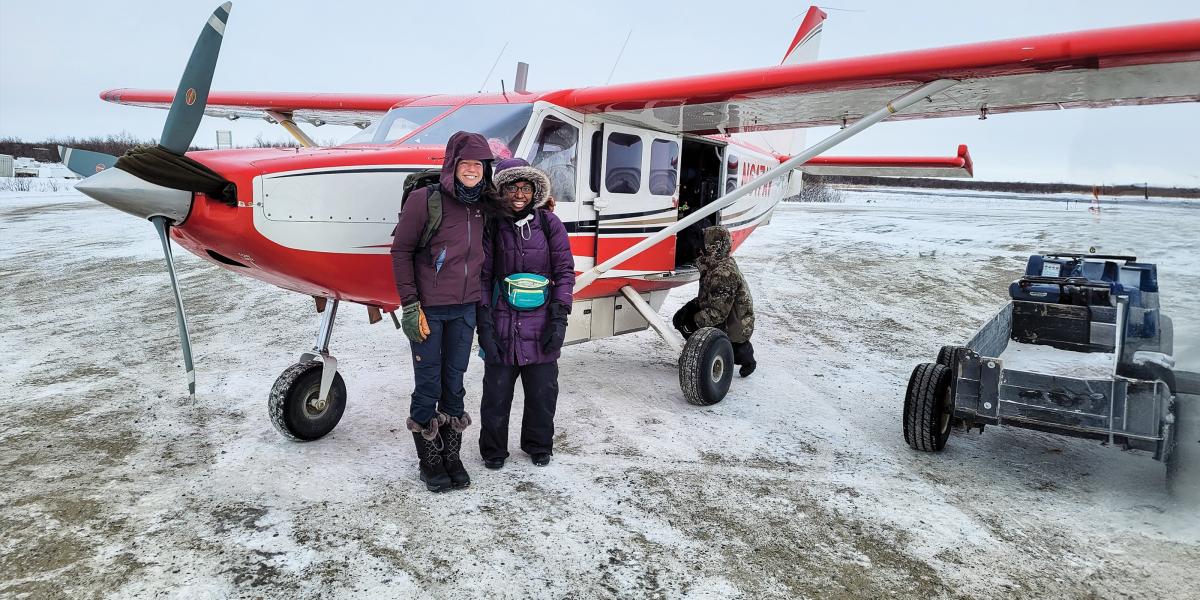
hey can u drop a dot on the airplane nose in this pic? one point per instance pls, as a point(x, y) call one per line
point(129, 193)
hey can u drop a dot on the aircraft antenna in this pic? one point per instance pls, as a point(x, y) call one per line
point(619, 54)
point(489, 74)
point(857, 10)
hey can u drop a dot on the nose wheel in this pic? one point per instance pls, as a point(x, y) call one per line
point(296, 407)
point(309, 397)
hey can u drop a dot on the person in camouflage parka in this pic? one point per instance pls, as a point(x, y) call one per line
point(724, 300)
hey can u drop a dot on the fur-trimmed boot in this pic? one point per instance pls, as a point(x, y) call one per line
point(430, 446)
point(451, 433)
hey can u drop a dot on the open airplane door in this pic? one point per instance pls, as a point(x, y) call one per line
point(638, 197)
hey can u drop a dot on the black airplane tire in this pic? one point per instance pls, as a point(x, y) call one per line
point(706, 367)
point(290, 408)
point(928, 408)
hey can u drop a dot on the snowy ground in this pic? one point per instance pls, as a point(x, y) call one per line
point(799, 484)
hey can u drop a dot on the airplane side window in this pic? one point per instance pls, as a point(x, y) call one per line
point(664, 167)
point(556, 152)
point(594, 175)
point(623, 174)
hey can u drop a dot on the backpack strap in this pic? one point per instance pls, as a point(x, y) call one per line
point(545, 227)
point(434, 219)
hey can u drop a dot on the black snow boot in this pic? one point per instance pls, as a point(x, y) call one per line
point(743, 354)
point(451, 432)
point(429, 453)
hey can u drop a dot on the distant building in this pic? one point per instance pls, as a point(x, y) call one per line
point(6, 165)
point(28, 167)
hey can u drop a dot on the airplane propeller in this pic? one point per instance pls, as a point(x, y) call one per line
point(187, 109)
point(166, 202)
point(85, 163)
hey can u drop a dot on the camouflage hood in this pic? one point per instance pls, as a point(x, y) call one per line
point(717, 246)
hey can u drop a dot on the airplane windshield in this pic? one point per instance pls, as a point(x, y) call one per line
point(397, 123)
point(502, 124)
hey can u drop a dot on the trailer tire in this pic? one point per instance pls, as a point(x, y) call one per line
point(1183, 461)
point(290, 403)
point(950, 355)
point(706, 367)
point(928, 408)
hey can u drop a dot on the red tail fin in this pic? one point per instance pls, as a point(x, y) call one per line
point(808, 37)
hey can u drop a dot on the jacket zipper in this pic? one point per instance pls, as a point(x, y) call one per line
point(467, 264)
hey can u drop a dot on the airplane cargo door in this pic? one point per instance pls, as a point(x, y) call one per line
point(638, 187)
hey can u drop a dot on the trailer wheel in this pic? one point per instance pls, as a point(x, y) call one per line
point(706, 367)
point(1183, 461)
point(928, 408)
point(293, 404)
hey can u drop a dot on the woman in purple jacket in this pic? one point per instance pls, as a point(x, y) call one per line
point(524, 343)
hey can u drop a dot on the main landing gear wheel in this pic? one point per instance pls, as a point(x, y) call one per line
point(928, 408)
point(295, 406)
point(706, 367)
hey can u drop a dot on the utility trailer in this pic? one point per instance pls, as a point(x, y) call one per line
point(1081, 349)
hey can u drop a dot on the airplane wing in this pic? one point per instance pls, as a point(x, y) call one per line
point(317, 109)
point(1142, 64)
point(959, 165)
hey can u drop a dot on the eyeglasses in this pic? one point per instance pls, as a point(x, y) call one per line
point(517, 189)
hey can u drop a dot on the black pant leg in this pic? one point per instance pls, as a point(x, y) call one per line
point(743, 353)
point(499, 382)
point(541, 399)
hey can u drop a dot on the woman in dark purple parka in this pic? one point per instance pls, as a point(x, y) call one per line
point(522, 344)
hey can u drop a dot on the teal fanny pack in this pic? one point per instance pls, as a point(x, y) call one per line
point(525, 291)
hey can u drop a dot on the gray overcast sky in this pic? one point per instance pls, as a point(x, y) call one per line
point(56, 56)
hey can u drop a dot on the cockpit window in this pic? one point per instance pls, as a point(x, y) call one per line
point(397, 123)
point(502, 125)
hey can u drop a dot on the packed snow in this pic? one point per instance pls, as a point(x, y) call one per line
point(798, 484)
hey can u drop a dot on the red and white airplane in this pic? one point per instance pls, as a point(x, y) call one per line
point(632, 165)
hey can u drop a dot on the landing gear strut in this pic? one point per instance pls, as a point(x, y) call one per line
point(309, 397)
point(705, 359)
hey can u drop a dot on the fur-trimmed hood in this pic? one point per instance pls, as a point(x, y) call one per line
point(539, 180)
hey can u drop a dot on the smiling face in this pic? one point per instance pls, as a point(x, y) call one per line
point(518, 194)
point(469, 172)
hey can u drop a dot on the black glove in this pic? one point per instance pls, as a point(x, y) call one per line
point(685, 319)
point(486, 327)
point(556, 328)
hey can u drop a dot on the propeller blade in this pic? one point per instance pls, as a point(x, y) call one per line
point(85, 163)
point(192, 95)
point(161, 225)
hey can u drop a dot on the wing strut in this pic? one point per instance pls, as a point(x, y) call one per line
point(895, 106)
point(285, 121)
